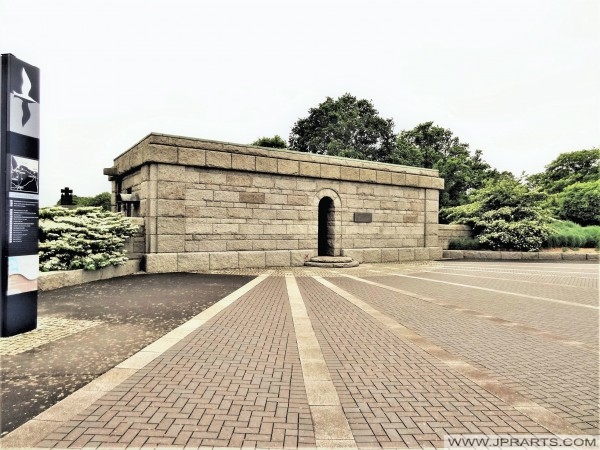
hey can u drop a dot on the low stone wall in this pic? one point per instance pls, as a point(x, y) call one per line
point(205, 261)
point(542, 256)
point(48, 281)
point(448, 232)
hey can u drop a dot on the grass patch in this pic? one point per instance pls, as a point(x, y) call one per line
point(570, 235)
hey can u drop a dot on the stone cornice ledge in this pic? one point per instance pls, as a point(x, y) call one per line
point(161, 148)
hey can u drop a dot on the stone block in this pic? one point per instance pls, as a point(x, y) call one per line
point(268, 165)
point(384, 177)
point(398, 179)
point(239, 245)
point(212, 177)
point(170, 190)
point(160, 153)
point(193, 262)
point(421, 254)
point(208, 245)
point(224, 260)
point(372, 255)
point(239, 179)
point(592, 256)
point(197, 226)
point(435, 253)
point(170, 172)
point(170, 208)
point(221, 160)
point(227, 196)
point(251, 260)
point(355, 254)
point(510, 255)
point(191, 157)
point(287, 167)
point(161, 262)
point(412, 180)
point(406, 254)
point(170, 225)
point(298, 200)
point(309, 169)
point(239, 213)
point(199, 194)
point(228, 228)
point(170, 243)
point(243, 162)
point(389, 254)
point(251, 228)
point(287, 244)
point(350, 173)
point(490, 255)
point(278, 258)
point(453, 254)
point(550, 256)
point(298, 257)
point(368, 175)
point(252, 197)
point(568, 256)
point(530, 255)
point(329, 171)
point(275, 229)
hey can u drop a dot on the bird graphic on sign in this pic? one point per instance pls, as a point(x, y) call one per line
point(24, 96)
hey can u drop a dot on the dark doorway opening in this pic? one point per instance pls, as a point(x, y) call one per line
point(326, 227)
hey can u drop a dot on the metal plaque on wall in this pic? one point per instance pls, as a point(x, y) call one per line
point(19, 160)
point(363, 217)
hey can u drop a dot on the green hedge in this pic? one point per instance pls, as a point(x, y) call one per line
point(83, 238)
point(568, 234)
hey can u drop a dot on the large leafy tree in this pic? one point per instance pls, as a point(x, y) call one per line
point(347, 127)
point(434, 147)
point(567, 169)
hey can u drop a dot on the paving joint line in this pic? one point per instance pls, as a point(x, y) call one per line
point(34, 430)
point(494, 319)
point(553, 300)
point(331, 426)
point(547, 419)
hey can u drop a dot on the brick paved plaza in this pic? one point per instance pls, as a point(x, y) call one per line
point(381, 356)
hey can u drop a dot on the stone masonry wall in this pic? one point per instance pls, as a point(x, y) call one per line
point(448, 232)
point(209, 205)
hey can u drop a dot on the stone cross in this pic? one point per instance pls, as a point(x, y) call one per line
point(66, 196)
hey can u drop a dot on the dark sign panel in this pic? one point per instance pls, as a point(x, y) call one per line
point(363, 217)
point(19, 199)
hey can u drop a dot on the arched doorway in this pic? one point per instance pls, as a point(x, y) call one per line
point(326, 227)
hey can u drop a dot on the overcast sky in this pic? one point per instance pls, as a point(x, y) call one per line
point(519, 80)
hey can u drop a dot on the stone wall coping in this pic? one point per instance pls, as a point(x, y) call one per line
point(454, 226)
point(499, 255)
point(155, 142)
point(49, 281)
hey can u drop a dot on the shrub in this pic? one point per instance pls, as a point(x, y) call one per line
point(464, 243)
point(83, 238)
point(505, 215)
point(580, 203)
point(568, 234)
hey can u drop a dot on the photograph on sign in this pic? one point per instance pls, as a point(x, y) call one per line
point(22, 274)
point(24, 174)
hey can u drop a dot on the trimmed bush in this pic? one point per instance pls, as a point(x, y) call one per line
point(580, 203)
point(83, 238)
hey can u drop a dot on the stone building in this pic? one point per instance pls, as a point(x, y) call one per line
point(212, 205)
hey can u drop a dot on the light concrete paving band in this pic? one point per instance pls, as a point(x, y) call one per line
point(331, 426)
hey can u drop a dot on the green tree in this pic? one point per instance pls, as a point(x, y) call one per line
point(505, 215)
point(580, 203)
point(344, 127)
point(271, 142)
point(567, 169)
point(434, 147)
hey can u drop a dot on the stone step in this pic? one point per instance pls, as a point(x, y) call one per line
point(338, 265)
point(331, 259)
